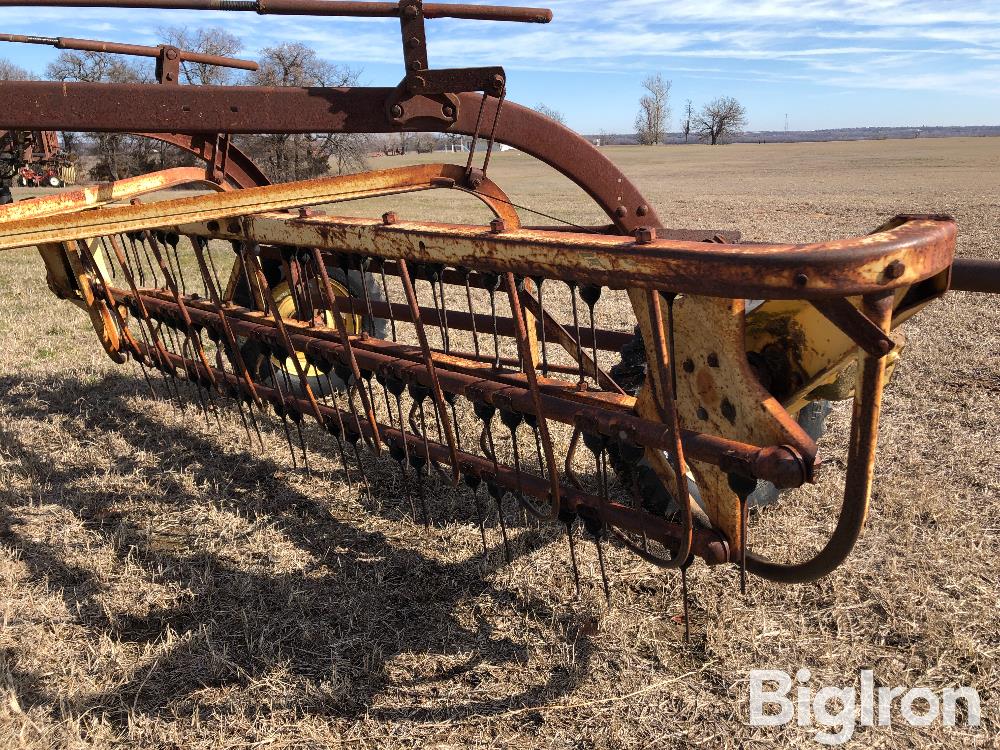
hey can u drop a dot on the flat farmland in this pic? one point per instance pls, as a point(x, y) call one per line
point(162, 585)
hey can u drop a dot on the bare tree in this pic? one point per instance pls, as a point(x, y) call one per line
point(119, 155)
point(720, 120)
point(552, 114)
point(208, 41)
point(654, 111)
point(299, 156)
point(12, 72)
point(688, 119)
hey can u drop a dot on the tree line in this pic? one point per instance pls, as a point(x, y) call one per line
point(718, 121)
point(282, 157)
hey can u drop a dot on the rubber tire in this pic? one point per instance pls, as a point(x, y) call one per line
point(252, 352)
point(54, 182)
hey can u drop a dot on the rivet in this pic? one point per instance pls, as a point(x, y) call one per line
point(621, 212)
point(233, 227)
point(801, 279)
point(397, 110)
point(642, 210)
point(713, 360)
point(688, 366)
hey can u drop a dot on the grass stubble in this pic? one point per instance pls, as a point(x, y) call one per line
point(164, 586)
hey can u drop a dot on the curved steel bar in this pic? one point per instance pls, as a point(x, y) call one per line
point(899, 257)
point(150, 108)
point(239, 169)
point(860, 469)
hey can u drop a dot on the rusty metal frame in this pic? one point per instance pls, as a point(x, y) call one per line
point(716, 421)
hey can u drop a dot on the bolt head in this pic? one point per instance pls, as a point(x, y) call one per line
point(171, 54)
point(497, 226)
point(645, 235)
point(397, 110)
point(389, 217)
point(801, 279)
point(448, 112)
point(895, 269)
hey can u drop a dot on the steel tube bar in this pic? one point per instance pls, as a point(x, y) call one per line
point(778, 464)
point(308, 8)
point(976, 275)
point(707, 544)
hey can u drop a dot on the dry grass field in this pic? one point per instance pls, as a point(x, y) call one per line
point(163, 586)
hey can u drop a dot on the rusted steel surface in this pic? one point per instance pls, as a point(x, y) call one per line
point(614, 443)
point(920, 248)
point(467, 11)
point(93, 196)
point(135, 50)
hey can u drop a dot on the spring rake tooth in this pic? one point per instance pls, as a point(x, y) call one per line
point(492, 283)
point(353, 436)
point(472, 312)
point(385, 292)
point(401, 455)
point(511, 420)
point(595, 528)
point(473, 481)
point(591, 294)
point(279, 405)
point(450, 400)
point(576, 327)
point(419, 464)
point(568, 518)
point(539, 281)
point(497, 493)
point(743, 487)
point(335, 429)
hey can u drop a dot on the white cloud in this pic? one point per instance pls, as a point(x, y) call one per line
point(910, 44)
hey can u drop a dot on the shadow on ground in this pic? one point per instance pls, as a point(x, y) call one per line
point(332, 628)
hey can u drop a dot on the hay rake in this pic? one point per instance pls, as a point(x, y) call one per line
point(473, 353)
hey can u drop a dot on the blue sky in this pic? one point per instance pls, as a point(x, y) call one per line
point(826, 63)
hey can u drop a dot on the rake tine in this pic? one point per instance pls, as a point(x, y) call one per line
point(568, 518)
point(281, 409)
point(472, 312)
point(497, 493)
point(539, 280)
point(743, 487)
point(385, 291)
